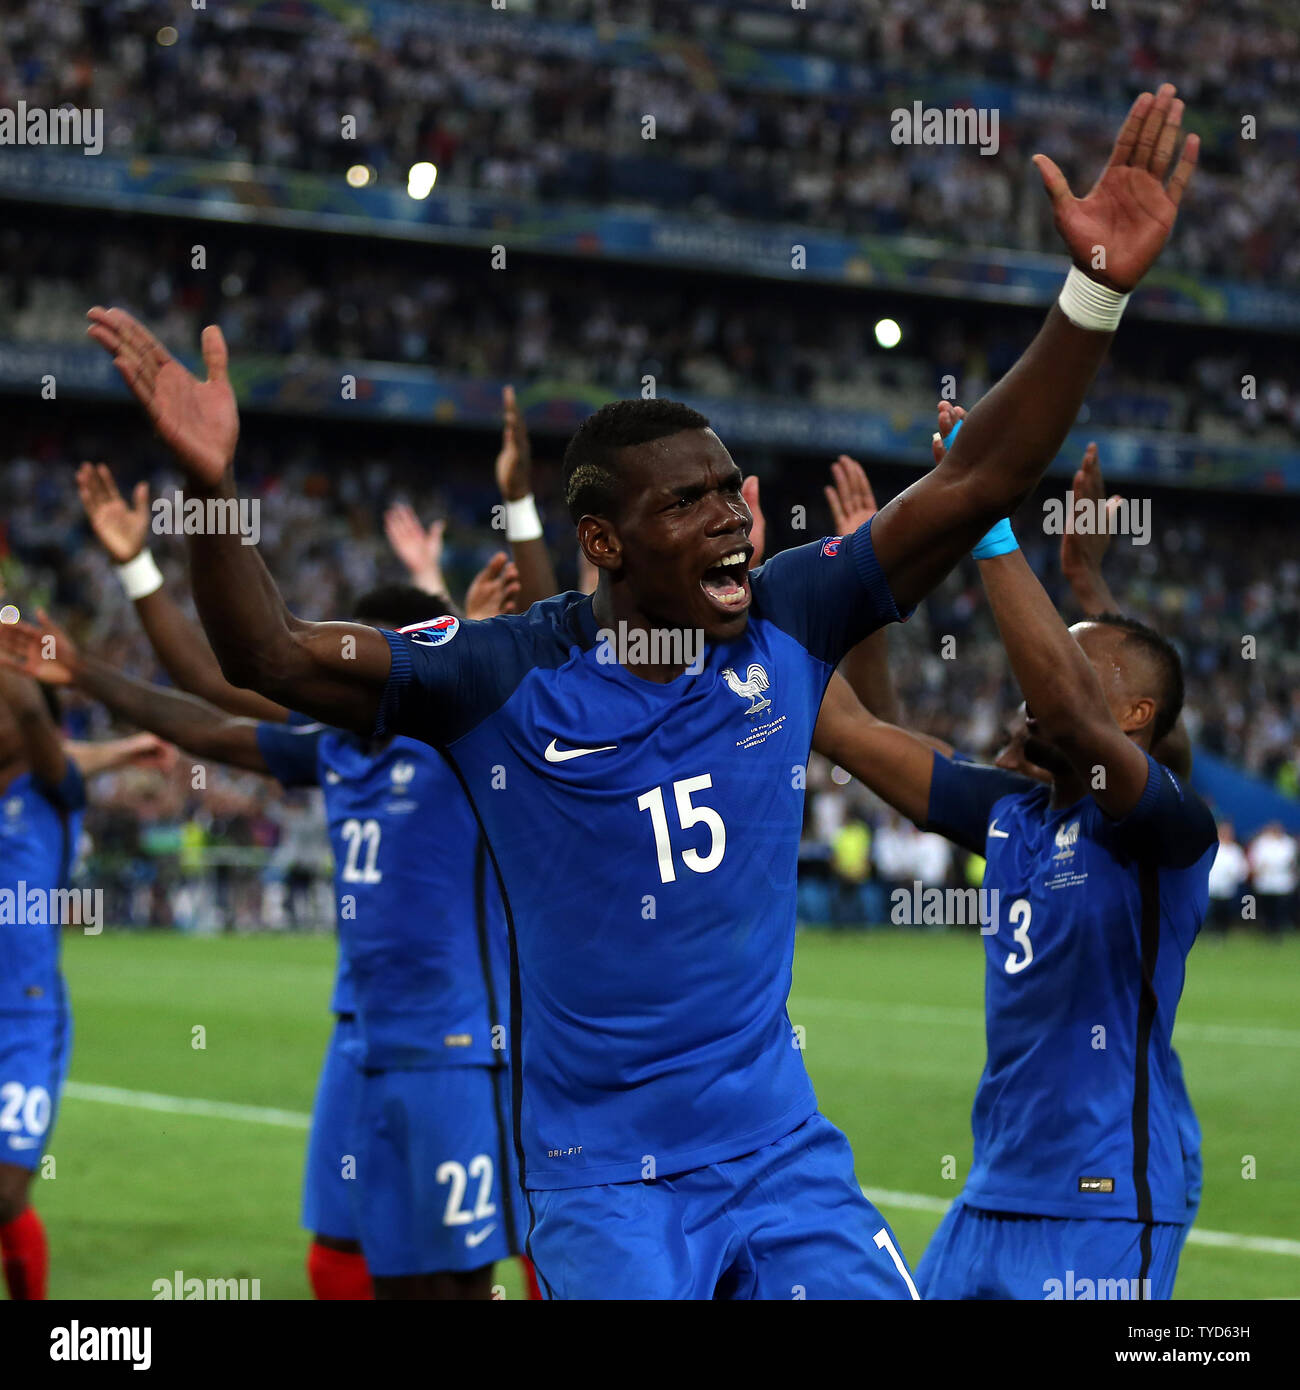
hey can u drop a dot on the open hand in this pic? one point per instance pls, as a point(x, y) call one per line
point(121, 529)
point(198, 420)
point(515, 459)
point(39, 650)
point(1116, 232)
point(494, 588)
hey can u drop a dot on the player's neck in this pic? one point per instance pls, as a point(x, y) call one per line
point(11, 769)
point(1067, 788)
point(641, 644)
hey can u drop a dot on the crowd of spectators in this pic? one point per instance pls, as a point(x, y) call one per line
point(357, 301)
point(504, 112)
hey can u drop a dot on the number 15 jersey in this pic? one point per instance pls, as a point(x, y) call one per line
point(646, 836)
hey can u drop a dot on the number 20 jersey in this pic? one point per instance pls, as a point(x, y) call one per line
point(647, 839)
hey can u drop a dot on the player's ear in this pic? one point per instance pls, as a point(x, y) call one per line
point(599, 539)
point(1140, 714)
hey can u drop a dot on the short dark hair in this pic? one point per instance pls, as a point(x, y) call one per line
point(400, 605)
point(1165, 662)
point(591, 481)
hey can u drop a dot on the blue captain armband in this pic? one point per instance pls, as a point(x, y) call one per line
point(998, 540)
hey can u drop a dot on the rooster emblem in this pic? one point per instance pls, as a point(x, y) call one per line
point(751, 688)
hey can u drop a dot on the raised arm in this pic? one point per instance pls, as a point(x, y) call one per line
point(418, 547)
point(866, 667)
point(106, 754)
point(42, 746)
point(180, 646)
point(44, 652)
point(892, 762)
point(1063, 696)
point(1081, 561)
point(1016, 430)
point(334, 671)
point(514, 470)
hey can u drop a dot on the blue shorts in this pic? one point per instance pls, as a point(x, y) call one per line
point(987, 1254)
point(34, 1053)
point(437, 1187)
point(326, 1195)
point(787, 1221)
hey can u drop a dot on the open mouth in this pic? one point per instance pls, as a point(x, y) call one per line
point(727, 582)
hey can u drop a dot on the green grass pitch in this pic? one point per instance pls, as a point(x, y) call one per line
point(894, 1042)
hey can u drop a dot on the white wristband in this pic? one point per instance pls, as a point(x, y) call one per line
point(1090, 305)
point(522, 521)
point(140, 577)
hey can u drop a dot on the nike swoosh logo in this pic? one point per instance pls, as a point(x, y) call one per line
point(476, 1238)
point(996, 834)
point(562, 755)
point(16, 1143)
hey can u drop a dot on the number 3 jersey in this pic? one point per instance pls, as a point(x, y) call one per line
point(422, 940)
point(647, 838)
point(1081, 1110)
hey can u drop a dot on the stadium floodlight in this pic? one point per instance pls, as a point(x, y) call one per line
point(359, 175)
point(888, 333)
point(420, 179)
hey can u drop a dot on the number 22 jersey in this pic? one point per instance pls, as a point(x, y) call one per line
point(647, 837)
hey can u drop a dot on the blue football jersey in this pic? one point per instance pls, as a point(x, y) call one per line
point(1081, 1110)
point(343, 998)
point(39, 826)
point(420, 923)
point(647, 838)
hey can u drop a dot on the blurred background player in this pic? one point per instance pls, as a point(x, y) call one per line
point(42, 796)
point(1229, 874)
point(411, 1094)
point(1274, 869)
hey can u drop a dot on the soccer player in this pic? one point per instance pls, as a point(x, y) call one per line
point(42, 796)
point(666, 1129)
point(336, 1262)
point(1087, 1150)
point(419, 1114)
point(336, 1267)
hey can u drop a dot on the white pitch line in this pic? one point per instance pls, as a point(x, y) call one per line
point(295, 1119)
point(1227, 1240)
point(974, 1018)
point(185, 1105)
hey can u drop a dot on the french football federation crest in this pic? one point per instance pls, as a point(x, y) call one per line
point(433, 633)
point(402, 774)
point(1067, 836)
point(751, 688)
